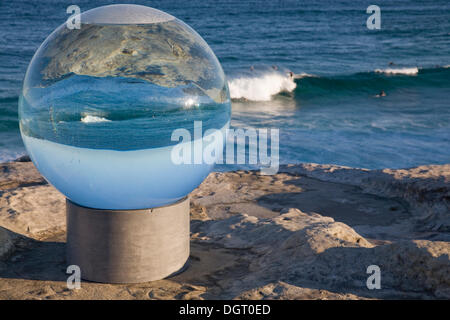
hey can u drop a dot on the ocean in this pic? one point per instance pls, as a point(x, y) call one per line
point(330, 112)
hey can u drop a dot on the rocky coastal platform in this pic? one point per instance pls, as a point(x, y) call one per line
point(308, 232)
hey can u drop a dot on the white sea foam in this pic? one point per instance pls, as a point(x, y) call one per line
point(304, 75)
point(260, 87)
point(10, 154)
point(406, 71)
point(93, 119)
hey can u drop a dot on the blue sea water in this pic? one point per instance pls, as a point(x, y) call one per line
point(332, 115)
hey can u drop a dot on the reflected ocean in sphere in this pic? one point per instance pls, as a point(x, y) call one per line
point(99, 106)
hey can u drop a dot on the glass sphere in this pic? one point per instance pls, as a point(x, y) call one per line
point(100, 103)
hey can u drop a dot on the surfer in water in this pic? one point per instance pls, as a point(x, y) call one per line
point(381, 94)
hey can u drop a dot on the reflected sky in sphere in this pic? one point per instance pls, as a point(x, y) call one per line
point(100, 103)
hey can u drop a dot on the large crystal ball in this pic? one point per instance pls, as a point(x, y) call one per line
point(100, 105)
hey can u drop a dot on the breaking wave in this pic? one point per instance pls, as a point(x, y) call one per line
point(261, 87)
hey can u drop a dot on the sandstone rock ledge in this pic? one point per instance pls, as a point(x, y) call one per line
point(309, 232)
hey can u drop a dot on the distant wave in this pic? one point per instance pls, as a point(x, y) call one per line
point(260, 87)
point(406, 71)
point(263, 86)
point(369, 83)
point(93, 119)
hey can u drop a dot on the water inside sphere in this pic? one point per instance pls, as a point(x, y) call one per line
point(100, 103)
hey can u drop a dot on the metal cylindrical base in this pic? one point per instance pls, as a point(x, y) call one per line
point(128, 246)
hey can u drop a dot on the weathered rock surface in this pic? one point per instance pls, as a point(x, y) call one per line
point(425, 188)
point(284, 291)
point(309, 232)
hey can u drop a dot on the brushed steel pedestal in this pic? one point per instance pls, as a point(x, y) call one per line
point(128, 246)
